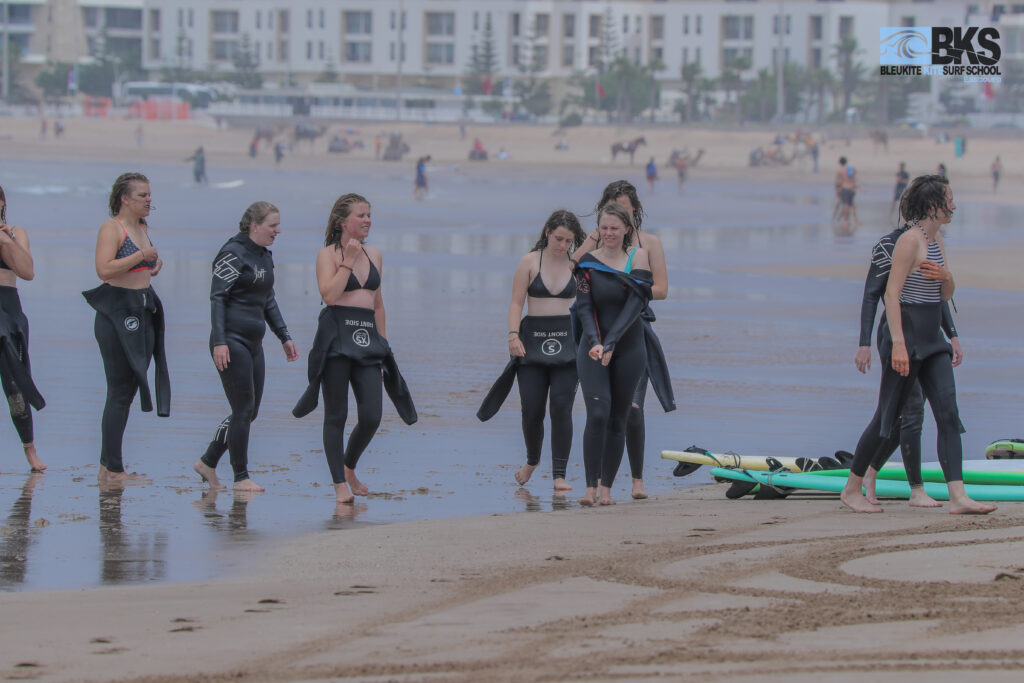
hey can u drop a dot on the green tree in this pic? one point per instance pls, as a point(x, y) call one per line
point(483, 62)
point(533, 92)
point(820, 81)
point(609, 40)
point(247, 66)
point(851, 72)
point(653, 67)
point(732, 82)
point(692, 75)
point(53, 81)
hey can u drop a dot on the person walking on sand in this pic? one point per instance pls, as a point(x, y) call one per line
point(129, 324)
point(198, 160)
point(997, 170)
point(652, 175)
point(902, 178)
point(420, 184)
point(913, 346)
point(279, 148)
point(242, 304)
point(15, 370)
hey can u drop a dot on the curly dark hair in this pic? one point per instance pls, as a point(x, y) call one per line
point(620, 188)
point(615, 209)
point(924, 198)
point(561, 218)
point(339, 212)
point(121, 187)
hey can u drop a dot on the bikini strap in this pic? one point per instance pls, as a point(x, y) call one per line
point(629, 261)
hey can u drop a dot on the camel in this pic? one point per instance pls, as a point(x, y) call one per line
point(627, 148)
point(267, 133)
point(684, 155)
point(880, 138)
point(304, 131)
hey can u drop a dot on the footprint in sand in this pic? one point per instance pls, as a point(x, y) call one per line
point(357, 589)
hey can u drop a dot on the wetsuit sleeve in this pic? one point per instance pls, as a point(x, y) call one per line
point(948, 326)
point(874, 289)
point(629, 314)
point(585, 310)
point(226, 269)
point(272, 314)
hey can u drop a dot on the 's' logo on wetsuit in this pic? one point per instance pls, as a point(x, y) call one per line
point(131, 323)
point(551, 347)
point(361, 338)
point(226, 270)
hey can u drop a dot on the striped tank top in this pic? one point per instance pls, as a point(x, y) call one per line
point(921, 290)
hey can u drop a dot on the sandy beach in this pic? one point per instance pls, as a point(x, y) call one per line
point(452, 573)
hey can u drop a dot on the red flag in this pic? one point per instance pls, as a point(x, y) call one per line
point(486, 87)
point(987, 89)
point(600, 89)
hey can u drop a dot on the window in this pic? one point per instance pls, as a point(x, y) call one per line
point(224, 22)
point(515, 23)
point(515, 55)
point(845, 27)
point(539, 58)
point(122, 18)
point(594, 28)
point(270, 50)
point(568, 26)
point(816, 29)
point(476, 21)
point(696, 57)
point(775, 57)
point(440, 53)
point(309, 18)
point(815, 58)
point(191, 18)
point(92, 11)
point(443, 23)
point(154, 48)
point(309, 49)
point(637, 24)
point(320, 19)
point(657, 54)
point(636, 56)
point(270, 19)
point(540, 24)
point(154, 20)
point(393, 17)
point(358, 23)
point(282, 51)
point(686, 56)
point(686, 25)
point(320, 50)
point(658, 28)
point(730, 27)
point(224, 50)
point(259, 20)
point(361, 52)
point(282, 22)
point(789, 24)
point(593, 56)
point(699, 24)
point(568, 55)
point(748, 28)
point(625, 23)
point(392, 44)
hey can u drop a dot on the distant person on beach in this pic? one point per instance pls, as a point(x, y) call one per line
point(682, 164)
point(350, 347)
point(846, 183)
point(198, 160)
point(15, 371)
point(652, 175)
point(58, 129)
point(902, 178)
point(911, 418)
point(242, 304)
point(542, 345)
point(42, 129)
point(420, 184)
point(941, 170)
point(613, 286)
point(914, 348)
point(815, 153)
point(997, 170)
point(254, 147)
point(129, 325)
point(377, 142)
point(624, 194)
point(138, 136)
point(279, 148)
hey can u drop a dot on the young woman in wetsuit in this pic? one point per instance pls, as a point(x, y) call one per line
point(544, 342)
point(919, 283)
point(126, 260)
point(348, 273)
point(624, 193)
point(16, 262)
point(242, 303)
point(613, 286)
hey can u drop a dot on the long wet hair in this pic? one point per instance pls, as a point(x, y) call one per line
point(614, 209)
point(561, 218)
point(121, 187)
point(619, 188)
point(3, 209)
point(339, 212)
point(256, 213)
point(924, 198)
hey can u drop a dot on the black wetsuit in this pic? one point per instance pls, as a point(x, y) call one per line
point(129, 329)
point(930, 363)
point(242, 304)
point(609, 305)
point(15, 368)
point(548, 369)
point(912, 416)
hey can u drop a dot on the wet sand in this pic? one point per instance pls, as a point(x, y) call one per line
point(759, 329)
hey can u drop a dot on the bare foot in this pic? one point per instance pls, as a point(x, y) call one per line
point(604, 496)
point(208, 474)
point(870, 477)
point(524, 473)
point(920, 499)
point(248, 485)
point(562, 485)
point(855, 500)
point(638, 490)
point(358, 487)
point(969, 506)
point(589, 498)
point(34, 462)
point(107, 478)
point(343, 494)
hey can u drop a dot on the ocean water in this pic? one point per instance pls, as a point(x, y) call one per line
point(761, 363)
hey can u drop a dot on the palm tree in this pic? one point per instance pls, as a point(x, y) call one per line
point(691, 74)
point(732, 80)
point(850, 72)
point(763, 76)
point(653, 67)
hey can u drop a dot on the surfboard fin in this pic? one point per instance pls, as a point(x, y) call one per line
point(685, 468)
point(774, 465)
point(740, 489)
point(845, 458)
point(772, 493)
point(828, 463)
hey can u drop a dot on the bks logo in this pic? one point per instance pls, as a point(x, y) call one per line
point(361, 338)
point(551, 347)
point(131, 323)
point(940, 46)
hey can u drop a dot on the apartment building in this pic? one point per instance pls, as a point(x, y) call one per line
point(369, 42)
point(50, 31)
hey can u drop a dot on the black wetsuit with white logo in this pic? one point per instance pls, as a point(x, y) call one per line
point(242, 304)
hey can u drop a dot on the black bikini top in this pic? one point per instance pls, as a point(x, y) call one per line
point(372, 278)
point(538, 290)
point(128, 248)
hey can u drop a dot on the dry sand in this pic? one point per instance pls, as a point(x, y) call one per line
point(684, 585)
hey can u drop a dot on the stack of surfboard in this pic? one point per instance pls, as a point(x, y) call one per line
point(1000, 478)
